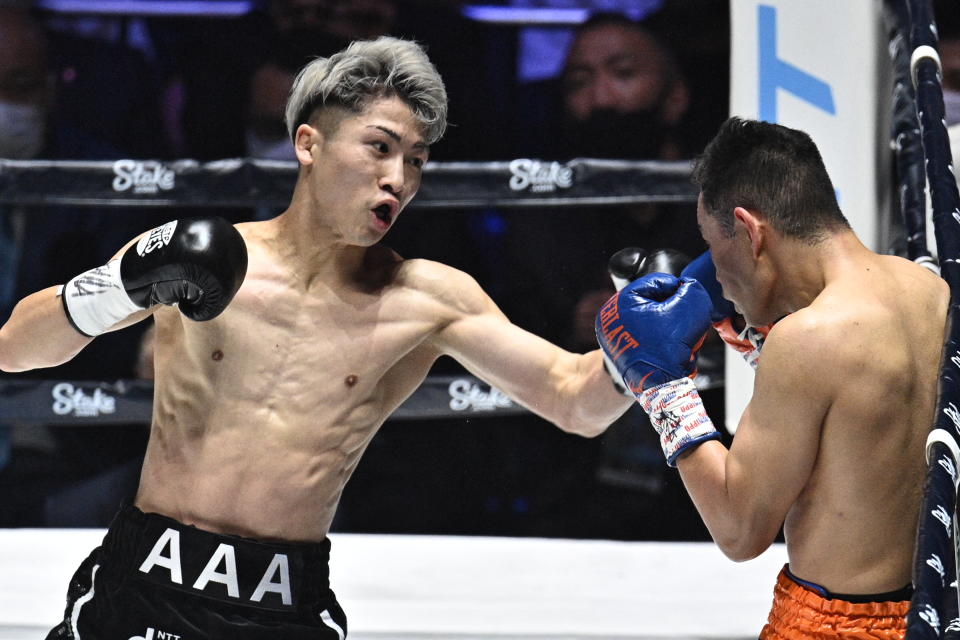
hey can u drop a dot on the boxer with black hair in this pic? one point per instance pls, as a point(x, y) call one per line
point(831, 446)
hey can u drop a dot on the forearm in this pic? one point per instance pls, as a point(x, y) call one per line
point(706, 474)
point(38, 334)
point(593, 400)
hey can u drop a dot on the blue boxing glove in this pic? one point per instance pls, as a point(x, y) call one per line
point(703, 271)
point(747, 341)
point(651, 331)
point(652, 328)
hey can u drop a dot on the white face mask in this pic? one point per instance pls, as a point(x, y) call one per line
point(269, 148)
point(22, 129)
point(951, 106)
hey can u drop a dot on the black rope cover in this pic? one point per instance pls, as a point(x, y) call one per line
point(933, 610)
point(245, 182)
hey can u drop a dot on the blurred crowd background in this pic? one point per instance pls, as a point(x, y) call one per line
point(632, 79)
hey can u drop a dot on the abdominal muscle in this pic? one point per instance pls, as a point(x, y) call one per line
point(261, 442)
point(248, 472)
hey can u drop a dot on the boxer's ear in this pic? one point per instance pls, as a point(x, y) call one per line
point(305, 138)
point(753, 226)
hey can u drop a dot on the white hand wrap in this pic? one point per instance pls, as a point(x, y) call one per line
point(96, 300)
point(676, 412)
point(754, 337)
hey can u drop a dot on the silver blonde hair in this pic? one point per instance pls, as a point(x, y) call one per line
point(369, 69)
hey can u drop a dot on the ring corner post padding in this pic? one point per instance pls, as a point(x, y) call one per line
point(842, 101)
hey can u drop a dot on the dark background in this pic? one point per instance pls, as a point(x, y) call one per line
point(169, 87)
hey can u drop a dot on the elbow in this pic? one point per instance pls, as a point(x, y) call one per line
point(14, 359)
point(743, 547)
point(7, 364)
point(584, 427)
point(740, 553)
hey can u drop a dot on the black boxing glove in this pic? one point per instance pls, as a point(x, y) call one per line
point(195, 263)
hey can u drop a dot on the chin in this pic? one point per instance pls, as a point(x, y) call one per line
point(758, 320)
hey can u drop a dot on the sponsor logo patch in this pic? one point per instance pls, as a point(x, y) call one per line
point(539, 177)
point(465, 395)
point(233, 572)
point(70, 400)
point(156, 238)
point(143, 177)
point(156, 634)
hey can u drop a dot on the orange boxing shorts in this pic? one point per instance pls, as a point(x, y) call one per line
point(803, 610)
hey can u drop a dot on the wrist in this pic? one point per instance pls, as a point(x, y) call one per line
point(615, 378)
point(678, 416)
point(95, 300)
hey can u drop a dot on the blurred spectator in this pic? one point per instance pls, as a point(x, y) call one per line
point(26, 85)
point(37, 124)
point(621, 95)
point(227, 64)
point(43, 246)
point(25, 96)
point(344, 19)
point(265, 135)
point(105, 86)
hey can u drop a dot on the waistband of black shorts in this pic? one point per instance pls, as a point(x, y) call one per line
point(239, 571)
point(898, 595)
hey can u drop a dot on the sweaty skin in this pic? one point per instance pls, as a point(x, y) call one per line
point(261, 414)
point(831, 444)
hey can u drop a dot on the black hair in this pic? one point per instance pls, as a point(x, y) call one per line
point(772, 170)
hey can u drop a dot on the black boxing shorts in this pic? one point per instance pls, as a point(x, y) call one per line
point(154, 578)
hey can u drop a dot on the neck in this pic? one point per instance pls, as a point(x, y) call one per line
point(803, 270)
point(310, 247)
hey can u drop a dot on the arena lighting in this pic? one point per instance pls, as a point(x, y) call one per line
point(163, 8)
point(526, 16)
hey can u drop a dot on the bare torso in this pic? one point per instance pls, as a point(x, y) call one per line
point(853, 526)
point(261, 415)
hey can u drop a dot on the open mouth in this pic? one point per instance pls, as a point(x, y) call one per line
point(383, 213)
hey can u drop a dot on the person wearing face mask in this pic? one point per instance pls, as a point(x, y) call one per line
point(623, 94)
point(25, 85)
point(620, 95)
point(26, 93)
point(24, 89)
point(37, 462)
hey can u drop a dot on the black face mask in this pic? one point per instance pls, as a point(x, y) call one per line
point(607, 133)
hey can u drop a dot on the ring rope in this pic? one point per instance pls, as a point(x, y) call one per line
point(247, 182)
point(29, 401)
point(521, 182)
point(908, 148)
point(934, 608)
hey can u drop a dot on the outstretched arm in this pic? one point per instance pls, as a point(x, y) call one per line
point(197, 264)
point(38, 334)
point(571, 390)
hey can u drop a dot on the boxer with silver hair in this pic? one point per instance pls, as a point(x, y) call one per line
point(281, 347)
